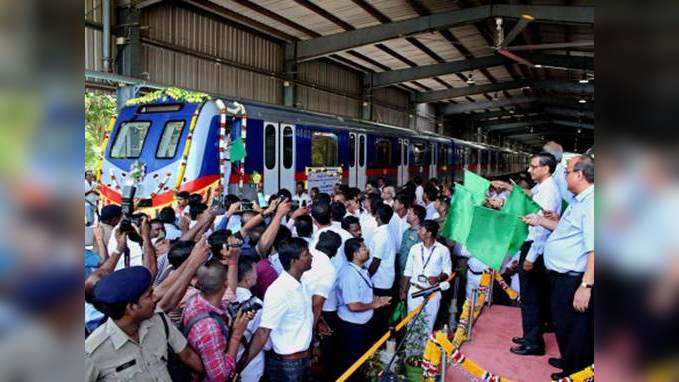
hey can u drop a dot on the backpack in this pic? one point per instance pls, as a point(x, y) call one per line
point(175, 367)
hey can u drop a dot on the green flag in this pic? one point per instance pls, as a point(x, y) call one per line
point(477, 185)
point(237, 150)
point(520, 204)
point(459, 219)
point(491, 234)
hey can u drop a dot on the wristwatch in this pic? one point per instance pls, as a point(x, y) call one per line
point(586, 285)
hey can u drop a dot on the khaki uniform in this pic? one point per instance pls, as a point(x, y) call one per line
point(110, 355)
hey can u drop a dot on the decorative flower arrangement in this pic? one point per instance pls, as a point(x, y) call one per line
point(177, 94)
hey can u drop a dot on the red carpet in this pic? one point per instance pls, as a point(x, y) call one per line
point(489, 348)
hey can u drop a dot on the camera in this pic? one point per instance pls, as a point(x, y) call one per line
point(220, 204)
point(127, 206)
point(294, 204)
point(249, 305)
point(246, 205)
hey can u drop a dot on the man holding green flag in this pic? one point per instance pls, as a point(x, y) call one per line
point(544, 196)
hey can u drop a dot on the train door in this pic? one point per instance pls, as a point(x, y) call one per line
point(434, 160)
point(279, 157)
point(403, 164)
point(357, 160)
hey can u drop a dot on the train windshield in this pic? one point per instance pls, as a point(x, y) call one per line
point(130, 140)
point(167, 148)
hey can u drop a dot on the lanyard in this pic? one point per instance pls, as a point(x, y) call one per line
point(353, 266)
point(431, 252)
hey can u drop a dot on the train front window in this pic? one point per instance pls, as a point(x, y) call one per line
point(130, 140)
point(169, 141)
point(323, 150)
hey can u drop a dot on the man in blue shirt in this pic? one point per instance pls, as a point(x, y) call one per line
point(356, 303)
point(569, 258)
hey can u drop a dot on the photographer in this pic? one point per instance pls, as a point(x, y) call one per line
point(205, 322)
point(247, 279)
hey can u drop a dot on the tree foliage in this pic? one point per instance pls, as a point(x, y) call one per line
point(99, 109)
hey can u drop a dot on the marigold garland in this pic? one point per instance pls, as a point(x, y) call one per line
point(511, 293)
point(177, 94)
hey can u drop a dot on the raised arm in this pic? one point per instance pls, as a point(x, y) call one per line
point(267, 239)
point(172, 290)
point(149, 251)
point(109, 265)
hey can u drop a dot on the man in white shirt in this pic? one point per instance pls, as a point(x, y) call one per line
point(356, 304)
point(532, 278)
point(91, 197)
point(419, 191)
point(430, 196)
point(399, 221)
point(382, 267)
point(388, 195)
point(560, 171)
point(428, 264)
point(287, 318)
point(301, 197)
point(367, 216)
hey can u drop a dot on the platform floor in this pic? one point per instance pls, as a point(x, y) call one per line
point(489, 348)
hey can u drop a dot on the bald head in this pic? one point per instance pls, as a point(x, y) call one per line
point(554, 149)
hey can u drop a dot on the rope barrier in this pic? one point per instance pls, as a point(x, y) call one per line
point(373, 349)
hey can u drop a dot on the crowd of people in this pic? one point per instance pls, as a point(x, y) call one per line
point(296, 287)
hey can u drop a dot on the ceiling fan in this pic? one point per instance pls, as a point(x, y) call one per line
point(502, 43)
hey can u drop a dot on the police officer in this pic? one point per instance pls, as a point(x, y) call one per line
point(569, 258)
point(135, 341)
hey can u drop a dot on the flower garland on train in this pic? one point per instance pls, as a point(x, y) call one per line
point(177, 94)
point(439, 342)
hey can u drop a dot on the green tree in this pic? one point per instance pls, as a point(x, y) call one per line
point(99, 109)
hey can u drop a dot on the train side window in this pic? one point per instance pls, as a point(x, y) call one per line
point(323, 149)
point(361, 150)
point(287, 147)
point(169, 141)
point(352, 150)
point(130, 140)
point(383, 157)
point(270, 146)
point(419, 153)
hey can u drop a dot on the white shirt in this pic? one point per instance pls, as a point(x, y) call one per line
point(275, 262)
point(287, 312)
point(547, 195)
point(382, 247)
point(301, 198)
point(255, 369)
point(338, 261)
point(397, 226)
point(568, 247)
point(320, 279)
point(353, 285)
point(172, 232)
point(428, 261)
point(136, 252)
point(419, 191)
point(560, 180)
point(92, 198)
point(431, 212)
point(368, 224)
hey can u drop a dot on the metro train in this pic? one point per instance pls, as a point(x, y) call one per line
point(169, 145)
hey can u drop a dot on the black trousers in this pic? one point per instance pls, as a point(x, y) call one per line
point(574, 330)
point(380, 320)
point(533, 287)
point(354, 340)
point(329, 345)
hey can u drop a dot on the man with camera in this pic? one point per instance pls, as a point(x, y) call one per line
point(287, 318)
point(206, 321)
